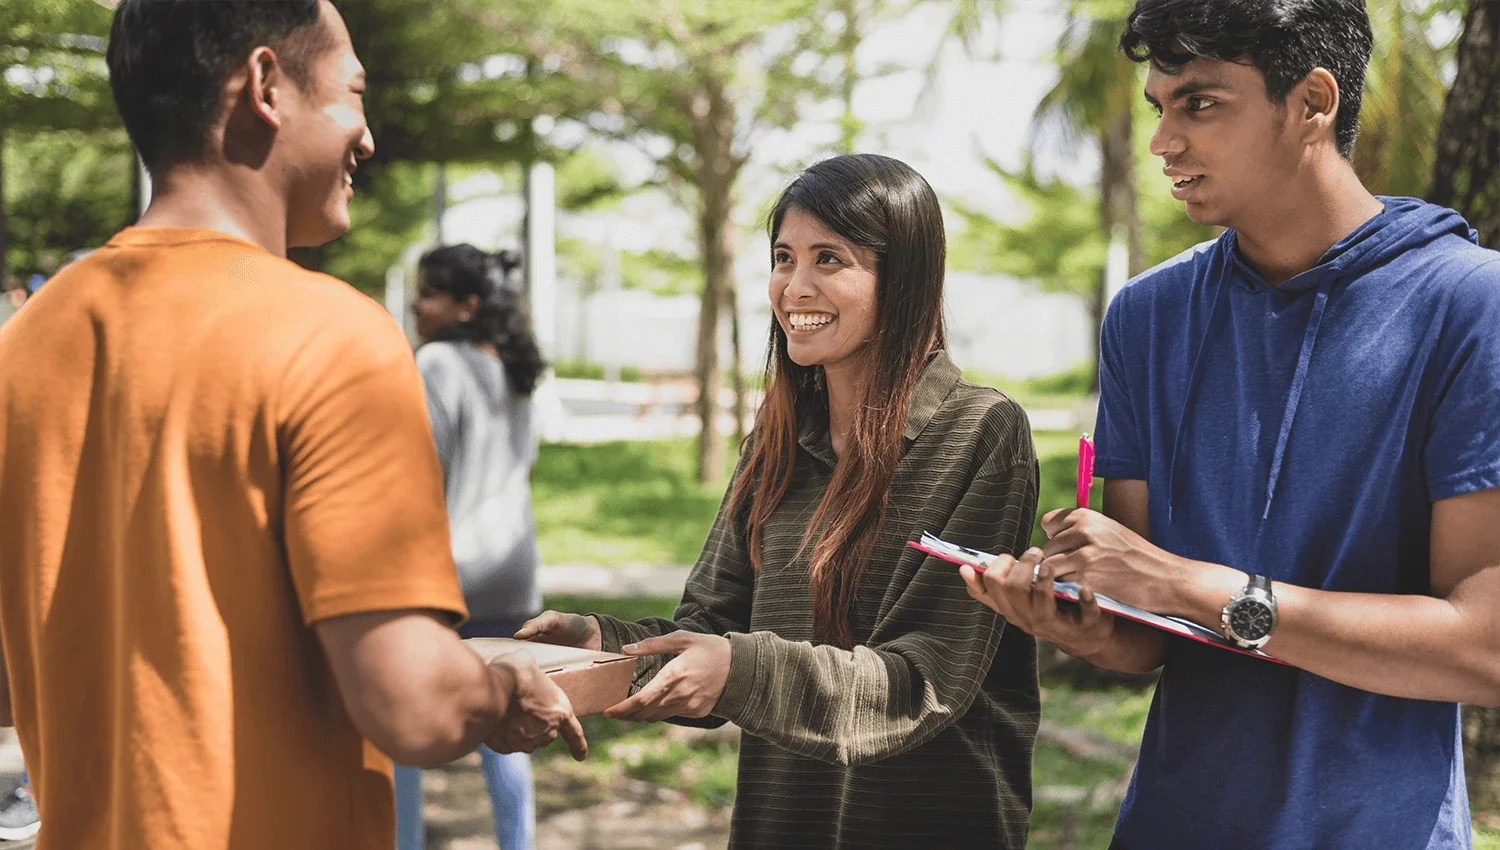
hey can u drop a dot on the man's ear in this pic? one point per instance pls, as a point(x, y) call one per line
point(1315, 105)
point(265, 86)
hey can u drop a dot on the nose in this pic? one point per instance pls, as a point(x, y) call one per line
point(366, 148)
point(801, 284)
point(1166, 142)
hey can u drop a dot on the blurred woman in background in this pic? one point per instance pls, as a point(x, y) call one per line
point(479, 364)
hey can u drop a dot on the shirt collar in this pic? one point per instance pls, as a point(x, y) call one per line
point(936, 382)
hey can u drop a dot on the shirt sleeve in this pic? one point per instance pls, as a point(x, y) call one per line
point(922, 668)
point(1117, 434)
point(716, 599)
point(1462, 454)
point(365, 524)
point(440, 386)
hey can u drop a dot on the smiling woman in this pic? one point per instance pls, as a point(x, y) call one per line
point(882, 709)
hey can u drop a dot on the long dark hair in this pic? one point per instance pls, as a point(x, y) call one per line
point(501, 320)
point(881, 204)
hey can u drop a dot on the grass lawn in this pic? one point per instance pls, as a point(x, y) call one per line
point(617, 503)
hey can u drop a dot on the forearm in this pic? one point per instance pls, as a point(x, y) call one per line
point(1132, 649)
point(850, 707)
point(467, 700)
point(1418, 647)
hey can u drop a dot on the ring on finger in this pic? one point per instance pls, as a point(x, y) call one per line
point(1036, 573)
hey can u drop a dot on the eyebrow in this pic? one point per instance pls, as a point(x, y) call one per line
point(821, 246)
point(1192, 87)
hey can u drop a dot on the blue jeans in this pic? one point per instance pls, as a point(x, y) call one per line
point(508, 778)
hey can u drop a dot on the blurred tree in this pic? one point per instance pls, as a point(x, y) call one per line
point(1403, 95)
point(695, 85)
point(52, 76)
point(1467, 177)
point(1059, 244)
point(68, 190)
point(1095, 100)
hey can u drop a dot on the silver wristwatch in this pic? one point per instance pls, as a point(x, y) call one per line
point(1250, 616)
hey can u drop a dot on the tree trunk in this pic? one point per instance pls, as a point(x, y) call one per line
point(1117, 188)
point(717, 168)
point(849, 126)
point(1117, 208)
point(1466, 177)
point(1466, 170)
point(736, 371)
point(713, 225)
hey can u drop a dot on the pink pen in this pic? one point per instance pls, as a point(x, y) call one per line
point(1085, 469)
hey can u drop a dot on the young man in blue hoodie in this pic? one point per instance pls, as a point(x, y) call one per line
point(1300, 427)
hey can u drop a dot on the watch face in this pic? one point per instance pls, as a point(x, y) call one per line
point(1250, 619)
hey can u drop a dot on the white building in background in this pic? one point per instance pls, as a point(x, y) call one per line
point(996, 325)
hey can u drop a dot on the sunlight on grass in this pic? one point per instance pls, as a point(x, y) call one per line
point(1118, 714)
point(619, 503)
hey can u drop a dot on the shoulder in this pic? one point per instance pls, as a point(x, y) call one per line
point(987, 424)
point(336, 327)
point(439, 357)
point(1170, 281)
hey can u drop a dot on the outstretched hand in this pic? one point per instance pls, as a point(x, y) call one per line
point(555, 627)
point(688, 686)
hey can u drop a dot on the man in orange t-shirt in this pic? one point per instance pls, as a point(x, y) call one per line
point(226, 586)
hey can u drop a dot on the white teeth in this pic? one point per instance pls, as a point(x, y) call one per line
point(808, 321)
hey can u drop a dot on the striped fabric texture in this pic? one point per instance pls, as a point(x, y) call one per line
point(922, 736)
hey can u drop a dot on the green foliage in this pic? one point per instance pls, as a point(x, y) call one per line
point(1403, 97)
point(388, 214)
point(594, 371)
point(1059, 245)
point(64, 191)
point(52, 74)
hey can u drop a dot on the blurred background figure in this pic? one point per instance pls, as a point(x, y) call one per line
point(480, 363)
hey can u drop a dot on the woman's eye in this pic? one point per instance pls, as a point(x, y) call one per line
point(780, 257)
point(828, 257)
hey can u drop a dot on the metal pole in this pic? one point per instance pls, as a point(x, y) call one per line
point(541, 254)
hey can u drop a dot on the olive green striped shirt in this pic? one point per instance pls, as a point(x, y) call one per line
point(922, 736)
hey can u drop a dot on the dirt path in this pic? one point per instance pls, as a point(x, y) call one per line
point(574, 812)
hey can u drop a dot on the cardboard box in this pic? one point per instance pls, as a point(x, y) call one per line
point(592, 680)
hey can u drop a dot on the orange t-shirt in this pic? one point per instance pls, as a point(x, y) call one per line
point(204, 449)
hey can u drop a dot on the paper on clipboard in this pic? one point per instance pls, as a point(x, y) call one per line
point(1067, 590)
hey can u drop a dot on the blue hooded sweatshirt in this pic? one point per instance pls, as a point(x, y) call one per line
point(1302, 432)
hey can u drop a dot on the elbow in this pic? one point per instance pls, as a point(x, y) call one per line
point(1486, 685)
point(422, 733)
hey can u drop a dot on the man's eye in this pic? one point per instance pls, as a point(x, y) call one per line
point(1198, 104)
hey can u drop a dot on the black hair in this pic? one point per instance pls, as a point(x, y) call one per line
point(501, 320)
point(884, 205)
point(169, 60)
point(1284, 39)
